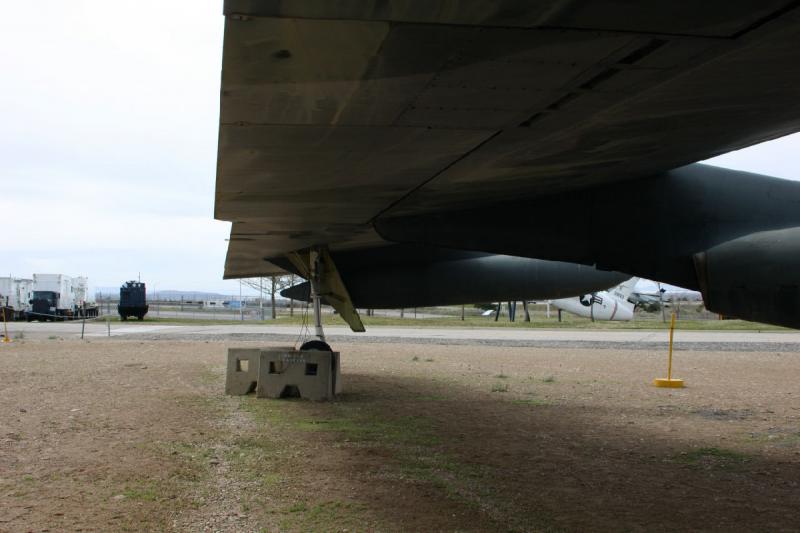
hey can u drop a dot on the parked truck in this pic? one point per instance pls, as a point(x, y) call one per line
point(52, 298)
point(47, 297)
point(132, 300)
point(15, 297)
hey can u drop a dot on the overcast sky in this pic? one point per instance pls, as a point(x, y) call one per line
point(108, 142)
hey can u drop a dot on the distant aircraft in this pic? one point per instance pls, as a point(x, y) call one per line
point(648, 302)
point(653, 299)
point(612, 304)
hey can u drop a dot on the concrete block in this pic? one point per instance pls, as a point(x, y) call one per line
point(308, 374)
point(242, 373)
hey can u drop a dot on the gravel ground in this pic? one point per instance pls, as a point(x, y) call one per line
point(122, 434)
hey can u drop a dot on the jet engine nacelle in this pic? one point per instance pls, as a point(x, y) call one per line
point(754, 277)
point(737, 220)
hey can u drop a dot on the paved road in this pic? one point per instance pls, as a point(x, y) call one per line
point(771, 341)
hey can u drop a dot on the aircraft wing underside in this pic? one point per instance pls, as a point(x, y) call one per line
point(336, 115)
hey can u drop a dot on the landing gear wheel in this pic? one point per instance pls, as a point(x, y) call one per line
point(320, 346)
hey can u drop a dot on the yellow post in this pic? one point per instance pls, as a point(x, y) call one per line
point(5, 326)
point(671, 335)
point(669, 382)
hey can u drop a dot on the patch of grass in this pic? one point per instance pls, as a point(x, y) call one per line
point(549, 379)
point(427, 467)
point(331, 511)
point(211, 406)
point(279, 413)
point(451, 317)
point(569, 322)
point(146, 493)
point(200, 321)
point(410, 448)
point(298, 507)
point(361, 427)
point(326, 516)
point(500, 387)
point(188, 462)
point(270, 457)
point(211, 374)
point(52, 338)
point(780, 437)
point(415, 358)
point(253, 458)
point(417, 470)
point(251, 443)
point(713, 457)
point(531, 401)
point(271, 478)
point(188, 450)
point(431, 398)
point(502, 376)
point(429, 360)
point(351, 422)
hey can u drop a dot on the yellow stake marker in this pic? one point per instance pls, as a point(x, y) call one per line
point(5, 326)
point(668, 382)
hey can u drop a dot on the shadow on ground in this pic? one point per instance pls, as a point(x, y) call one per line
point(434, 454)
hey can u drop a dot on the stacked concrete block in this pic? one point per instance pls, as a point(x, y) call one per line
point(242, 373)
point(282, 373)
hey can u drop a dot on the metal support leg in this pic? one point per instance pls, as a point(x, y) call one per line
point(316, 275)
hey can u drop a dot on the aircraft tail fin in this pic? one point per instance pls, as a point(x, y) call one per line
point(624, 289)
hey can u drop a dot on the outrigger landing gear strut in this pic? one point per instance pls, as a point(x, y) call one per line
point(315, 277)
point(316, 265)
point(315, 274)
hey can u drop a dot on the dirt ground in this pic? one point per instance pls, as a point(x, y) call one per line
point(122, 435)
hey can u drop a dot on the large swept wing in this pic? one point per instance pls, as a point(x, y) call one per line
point(335, 114)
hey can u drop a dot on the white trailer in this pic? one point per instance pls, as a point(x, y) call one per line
point(81, 292)
point(16, 294)
point(83, 297)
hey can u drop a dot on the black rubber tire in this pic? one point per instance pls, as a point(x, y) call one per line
point(140, 317)
point(123, 317)
point(317, 345)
